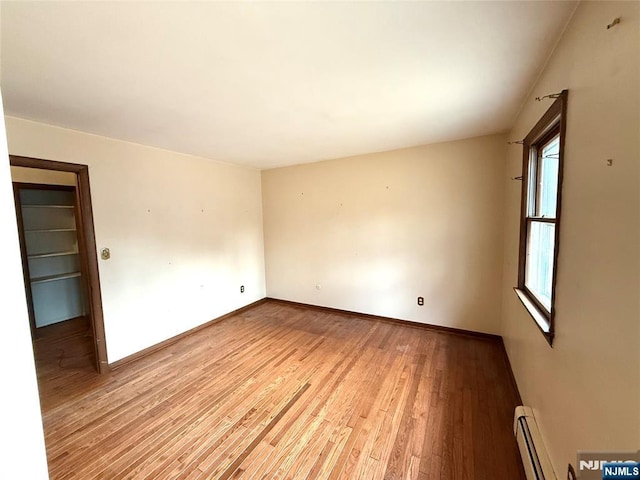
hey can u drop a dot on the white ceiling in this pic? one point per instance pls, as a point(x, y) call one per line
point(272, 84)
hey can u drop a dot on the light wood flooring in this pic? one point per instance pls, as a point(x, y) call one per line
point(65, 361)
point(287, 392)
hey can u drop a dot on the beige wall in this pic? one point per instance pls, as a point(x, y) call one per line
point(377, 231)
point(184, 232)
point(22, 450)
point(38, 175)
point(585, 390)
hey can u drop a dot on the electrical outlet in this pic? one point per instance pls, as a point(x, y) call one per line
point(421, 301)
point(241, 288)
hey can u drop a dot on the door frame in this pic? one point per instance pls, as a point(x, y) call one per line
point(87, 237)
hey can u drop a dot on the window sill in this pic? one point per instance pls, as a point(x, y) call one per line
point(536, 314)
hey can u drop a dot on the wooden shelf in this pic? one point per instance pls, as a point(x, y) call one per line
point(51, 257)
point(47, 206)
point(48, 230)
point(53, 278)
point(52, 254)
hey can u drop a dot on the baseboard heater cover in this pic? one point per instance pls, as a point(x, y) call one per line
point(537, 465)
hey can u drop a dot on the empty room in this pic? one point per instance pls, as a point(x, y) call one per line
point(320, 240)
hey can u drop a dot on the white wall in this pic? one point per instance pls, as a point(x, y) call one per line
point(184, 232)
point(377, 231)
point(22, 450)
point(586, 390)
point(38, 175)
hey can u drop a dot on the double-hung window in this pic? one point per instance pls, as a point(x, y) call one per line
point(540, 215)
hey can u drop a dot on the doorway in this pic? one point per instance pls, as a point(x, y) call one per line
point(61, 250)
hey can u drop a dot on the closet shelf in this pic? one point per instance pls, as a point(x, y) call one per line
point(53, 278)
point(45, 230)
point(47, 206)
point(52, 254)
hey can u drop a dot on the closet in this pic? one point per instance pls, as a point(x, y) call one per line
point(50, 242)
point(60, 266)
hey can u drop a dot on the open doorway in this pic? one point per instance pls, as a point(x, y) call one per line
point(60, 268)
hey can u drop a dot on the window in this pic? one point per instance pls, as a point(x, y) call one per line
point(540, 215)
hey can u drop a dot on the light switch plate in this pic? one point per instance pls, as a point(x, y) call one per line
point(105, 254)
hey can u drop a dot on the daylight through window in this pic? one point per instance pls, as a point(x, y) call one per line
point(539, 226)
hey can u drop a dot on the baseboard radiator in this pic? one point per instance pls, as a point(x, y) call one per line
point(535, 459)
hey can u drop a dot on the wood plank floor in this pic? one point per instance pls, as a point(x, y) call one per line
point(65, 361)
point(287, 392)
